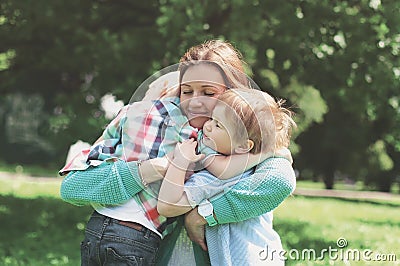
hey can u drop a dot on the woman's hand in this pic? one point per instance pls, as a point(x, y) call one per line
point(154, 169)
point(195, 226)
point(285, 153)
point(282, 152)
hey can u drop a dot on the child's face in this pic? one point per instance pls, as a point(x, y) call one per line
point(218, 131)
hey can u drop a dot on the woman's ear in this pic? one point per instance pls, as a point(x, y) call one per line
point(246, 147)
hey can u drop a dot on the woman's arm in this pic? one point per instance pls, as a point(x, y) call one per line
point(111, 182)
point(271, 183)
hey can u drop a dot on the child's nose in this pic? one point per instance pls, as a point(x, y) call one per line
point(207, 125)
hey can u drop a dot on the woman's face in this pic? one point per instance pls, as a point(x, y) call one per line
point(200, 87)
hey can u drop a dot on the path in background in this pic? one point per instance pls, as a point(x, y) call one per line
point(309, 192)
point(347, 194)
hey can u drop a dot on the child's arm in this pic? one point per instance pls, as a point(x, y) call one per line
point(225, 167)
point(172, 200)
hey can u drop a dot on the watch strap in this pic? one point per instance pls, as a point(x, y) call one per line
point(211, 220)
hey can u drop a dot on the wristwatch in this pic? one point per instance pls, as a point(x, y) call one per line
point(206, 210)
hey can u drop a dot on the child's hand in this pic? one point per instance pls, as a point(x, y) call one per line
point(187, 151)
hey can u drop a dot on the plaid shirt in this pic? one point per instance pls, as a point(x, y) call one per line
point(141, 131)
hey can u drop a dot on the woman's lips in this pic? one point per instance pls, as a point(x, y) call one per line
point(198, 113)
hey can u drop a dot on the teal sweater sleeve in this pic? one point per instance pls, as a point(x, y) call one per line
point(109, 183)
point(271, 183)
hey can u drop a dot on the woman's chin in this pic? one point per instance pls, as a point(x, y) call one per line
point(198, 122)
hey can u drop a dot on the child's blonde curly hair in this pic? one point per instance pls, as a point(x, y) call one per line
point(260, 118)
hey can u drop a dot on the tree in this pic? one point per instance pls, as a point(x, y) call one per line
point(71, 54)
point(336, 62)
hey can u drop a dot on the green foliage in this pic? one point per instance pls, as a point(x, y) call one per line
point(382, 160)
point(337, 62)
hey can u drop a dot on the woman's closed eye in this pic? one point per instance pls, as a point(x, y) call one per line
point(186, 89)
point(205, 93)
point(205, 90)
point(209, 92)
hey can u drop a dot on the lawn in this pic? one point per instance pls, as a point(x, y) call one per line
point(40, 229)
point(347, 228)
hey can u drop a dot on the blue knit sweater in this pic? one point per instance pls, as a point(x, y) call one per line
point(116, 182)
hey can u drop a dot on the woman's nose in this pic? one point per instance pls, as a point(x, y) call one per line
point(195, 102)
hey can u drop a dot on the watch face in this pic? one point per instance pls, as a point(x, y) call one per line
point(205, 209)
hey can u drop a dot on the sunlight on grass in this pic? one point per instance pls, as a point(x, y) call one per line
point(30, 170)
point(315, 223)
point(30, 187)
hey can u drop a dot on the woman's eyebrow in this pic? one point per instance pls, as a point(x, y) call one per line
point(209, 85)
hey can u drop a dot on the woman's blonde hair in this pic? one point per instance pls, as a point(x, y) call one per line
point(259, 118)
point(220, 54)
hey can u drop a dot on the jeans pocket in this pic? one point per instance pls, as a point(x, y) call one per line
point(114, 259)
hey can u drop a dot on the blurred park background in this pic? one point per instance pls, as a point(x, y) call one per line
point(336, 62)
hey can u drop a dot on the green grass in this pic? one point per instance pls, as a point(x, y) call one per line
point(30, 170)
point(317, 224)
point(29, 187)
point(40, 231)
point(43, 230)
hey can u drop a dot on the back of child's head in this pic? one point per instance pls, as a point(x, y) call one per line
point(260, 118)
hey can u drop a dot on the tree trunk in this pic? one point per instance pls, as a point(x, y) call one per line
point(329, 179)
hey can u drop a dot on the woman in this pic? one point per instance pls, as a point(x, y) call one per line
point(200, 85)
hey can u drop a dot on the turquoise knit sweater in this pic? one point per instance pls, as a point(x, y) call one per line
point(116, 182)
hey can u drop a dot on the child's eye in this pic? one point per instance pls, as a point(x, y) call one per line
point(209, 93)
point(186, 92)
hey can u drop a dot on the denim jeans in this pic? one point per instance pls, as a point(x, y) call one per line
point(109, 243)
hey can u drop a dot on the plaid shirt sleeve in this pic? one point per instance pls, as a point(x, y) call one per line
point(100, 151)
